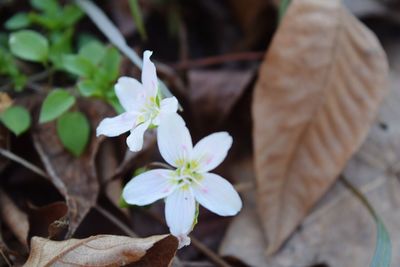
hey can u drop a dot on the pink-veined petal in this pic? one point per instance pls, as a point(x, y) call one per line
point(130, 93)
point(174, 140)
point(149, 75)
point(148, 187)
point(217, 195)
point(210, 151)
point(116, 125)
point(167, 107)
point(180, 209)
point(135, 139)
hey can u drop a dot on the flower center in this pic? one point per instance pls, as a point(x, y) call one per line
point(187, 174)
point(149, 111)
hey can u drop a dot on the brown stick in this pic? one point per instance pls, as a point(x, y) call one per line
point(8, 154)
point(214, 60)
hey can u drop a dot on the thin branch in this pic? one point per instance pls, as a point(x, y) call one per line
point(8, 154)
point(31, 80)
point(117, 222)
point(215, 60)
point(5, 257)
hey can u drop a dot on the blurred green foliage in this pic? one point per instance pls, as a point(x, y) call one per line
point(44, 39)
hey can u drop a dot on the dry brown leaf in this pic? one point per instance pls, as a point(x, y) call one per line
point(318, 91)
point(103, 250)
point(213, 94)
point(14, 218)
point(75, 178)
point(49, 221)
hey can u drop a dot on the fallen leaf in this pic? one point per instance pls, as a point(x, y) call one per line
point(214, 93)
point(75, 178)
point(103, 250)
point(14, 218)
point(318, 91)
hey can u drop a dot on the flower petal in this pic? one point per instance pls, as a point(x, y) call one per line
point(149, 75)
point(167, 106)
point(135, 139)
point(210, 151)
point(130, 93)
point(174, 140)
point(149, 187)
point(116, 125)
point(180, 209)
point(217, 195)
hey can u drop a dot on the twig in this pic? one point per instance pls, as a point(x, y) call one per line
point(8, 154)
point(214, 60)
point(115, 221)
point(5, 257)
point(214, 257)
point(31, 80)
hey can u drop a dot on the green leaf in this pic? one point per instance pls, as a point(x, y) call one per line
point(110, 63)
point(73, 129)
point(61, 44)
point(55, 104)
point(16, 119)
point(138, 18)
point(78, 65)
point(71, 14)
point(29, 45)
point(18, 21)
point(93, 51)
point(19, 81)
point(48, 21)
point(48, 6)
point(89, 88)
point(383, 248)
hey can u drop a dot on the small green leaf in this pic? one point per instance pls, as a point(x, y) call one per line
point(93, 51)
point(138, 18)
point(71, 14)
point(55, 104)
point(89, 88)
point(78, 65)
point(16, 118)
point(18, 21)
point(45, 20)
point(61, 44)
point(48, 6)
point(29, 45)
point(73, 129)
point(111, 63)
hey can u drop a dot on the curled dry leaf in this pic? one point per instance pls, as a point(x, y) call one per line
point(48, 221)
point(103, 250)
point(75, 178)
point(14, 218)
point(318, 91)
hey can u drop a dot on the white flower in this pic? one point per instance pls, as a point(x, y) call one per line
point(142, 105)
point(189, 182)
